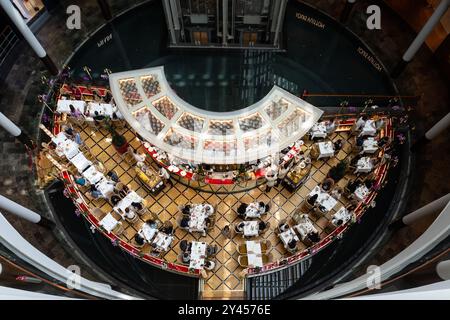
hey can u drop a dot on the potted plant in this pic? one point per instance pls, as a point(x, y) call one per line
point(118, 141)
point(338, 172)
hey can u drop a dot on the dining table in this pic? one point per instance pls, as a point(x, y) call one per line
point(254, 253)
point(323, 198)
point(198, 255)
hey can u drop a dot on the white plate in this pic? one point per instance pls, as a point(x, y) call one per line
point(183, 173)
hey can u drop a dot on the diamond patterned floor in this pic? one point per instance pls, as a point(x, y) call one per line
point(227, 276)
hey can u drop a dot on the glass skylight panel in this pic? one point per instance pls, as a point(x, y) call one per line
point(292, 124)
point(148, 120)
point(191, 123)
point(129, 92)
point(177, 139)
point(251, 123)
point(276, 109)
point(221, 128)
point(166, 107)
point(151, 86)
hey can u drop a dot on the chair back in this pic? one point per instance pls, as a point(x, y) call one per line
point(241, 249)
point(243, 261)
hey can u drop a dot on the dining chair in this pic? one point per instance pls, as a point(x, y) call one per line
point(266, 245)
point(266, 258)
point(119, 229)
point(243, 261)
point(241, 249)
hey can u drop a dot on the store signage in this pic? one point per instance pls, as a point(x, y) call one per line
point(106, 39)
point(370, 58)
point(310, 20)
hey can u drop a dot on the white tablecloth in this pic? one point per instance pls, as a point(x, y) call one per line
point(364, 165)
point(197, 222)
point(254, 253)
point(80, 162)
point(251, 228)
point(319, 130)
point(370, 145)
point(198, 254)
point(287, 236)
point(162, 241)
point(93, 175)
point(324, 198)
point(361, 193)
point(65, 147)
point(63, 105)
point(304, 228)
point(326, 149)
point(148, 232)
point(254, 210)
point(127, 201)
point(341, 214)
point(108, 222)
point(59, 138)
point(369, 128)
point(106, 187)
point(102, 109)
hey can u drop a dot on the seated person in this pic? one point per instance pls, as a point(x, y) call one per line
point(184, 223)
point(242, 209)
point(359, 141)
point(208, 223)
point(352, 186)
point(80, 180)
point(209, 265)
point(327, 184)
point(186, 257)
point(265, 207)
point(283, 227)
point(137, 205)
point(98, 117)
point(339, 222)
point(115, 199)
point(114, 177)
point(167, 229)
point(262, 226)
point(314, 237)
point(186, 210)
point(69, 132)
point(292, 245)
point(312, 200)
point(239, 227)
point(336, 193)
point(75, 112)
point(369, 183)
point(151, 223)
point(139, 239)
point(95, 193)
point(322, 208)
point(338, 145)
point(130, 214)
point(360, 123)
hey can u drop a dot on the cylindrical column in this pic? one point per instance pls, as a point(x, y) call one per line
point(22, 212)
point(421, 37)
point(280, 20)
point(435, 131)
point(428, 209)
point(349, 4)
point(169, 20)
point(224, 22)
point(438, 128)
point(28, 35)
point(443, 269)
point(105, 8)
point(15, 131)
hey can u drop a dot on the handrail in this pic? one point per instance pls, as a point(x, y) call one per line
point(12, 240)
point(438, 231)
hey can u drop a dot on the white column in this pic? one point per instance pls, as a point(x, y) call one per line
point(432, 207)
point(438, 128)
point(280, 21)
point(225, 22)
point(18, 210)
point(426, 30)
point(8, 125)
point(23, 28)
point(443, 269)
point(169, 19)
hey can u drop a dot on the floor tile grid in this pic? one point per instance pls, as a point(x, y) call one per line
point(165, 206)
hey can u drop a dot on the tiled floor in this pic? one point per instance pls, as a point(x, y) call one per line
point(226, 278)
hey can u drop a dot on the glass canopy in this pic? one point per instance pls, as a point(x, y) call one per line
point(160, 116)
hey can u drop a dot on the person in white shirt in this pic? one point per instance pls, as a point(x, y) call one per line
point(282, 172)
point(138, 157)
point(271, 176)
point(330, 126)
point(164, 174)
point(360, 123)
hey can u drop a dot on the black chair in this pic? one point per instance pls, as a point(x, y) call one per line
point(184, 245)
